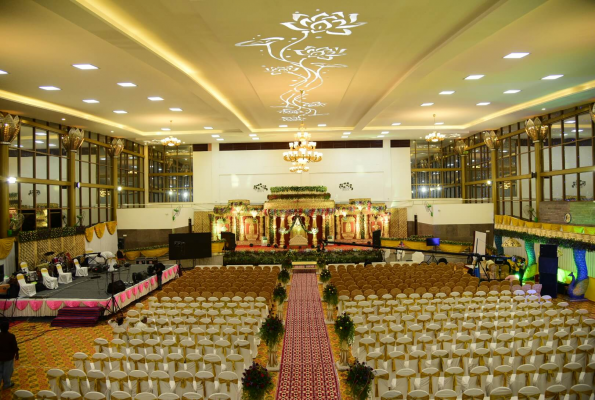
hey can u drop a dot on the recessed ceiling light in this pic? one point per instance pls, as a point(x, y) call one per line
point(49, 88)
point(252, 135)
point(208, 127)
point(120, 112)
point(344, 137)
point(282, 126)
point(215, 136)
point(346, 133)
point(427, 104)
point(112, 131)
point(255, 138)
point(512, 91)
point(220, 139)
point(516, 55)
point(321, 124)
point(396, 123)
point(3, 72)
point(165, 129)
point(39, 141)
point(40, 134)
point(380, 136)
point(155, 98)
point(543, 109)
point(63, 119)
point(551, 77)
point(84, 66)
point(439, 123)
point(91, 101)
point(483, 103)
point(447, 92)
point(474, 77)
point(384, 132)
point(127, 84)
point(175, 109)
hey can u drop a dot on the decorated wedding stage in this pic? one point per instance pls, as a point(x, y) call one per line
point(46, 307)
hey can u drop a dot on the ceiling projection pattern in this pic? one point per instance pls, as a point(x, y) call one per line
point(310, 62)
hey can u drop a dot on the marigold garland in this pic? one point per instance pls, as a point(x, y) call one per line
point(111, 226)
point(100, 230)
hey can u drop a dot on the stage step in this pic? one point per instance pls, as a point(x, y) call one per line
point(71, 317)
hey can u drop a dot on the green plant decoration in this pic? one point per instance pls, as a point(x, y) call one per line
point(279, 294)
point(287, 264)
point(256, 382)
point(345, 328)
point(325, 276)
point(270, 333)
point(359, 380)
point(283, 276)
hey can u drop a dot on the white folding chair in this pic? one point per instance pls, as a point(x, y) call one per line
point(25, 289)
point(63, 277)
point(80, 271)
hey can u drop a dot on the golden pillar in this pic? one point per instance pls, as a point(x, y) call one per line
point(71, 176)
point(233, 224)
point(214, 228)
point(266, 227)
point(323, 226)
point(463, 177)
point(538, 178)
point(358, 226)
point(242, 236)
point(331, 223)
point(494, 165)
point(366, 230)
point(4, 191)
point(115, 191)
point(314, 234)
point(339, 228)
point(260, 230)
point(274, 230)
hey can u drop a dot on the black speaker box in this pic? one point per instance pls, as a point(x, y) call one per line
point(116, 287)
point(376, 239)
point(548, 250)
point(230, 240)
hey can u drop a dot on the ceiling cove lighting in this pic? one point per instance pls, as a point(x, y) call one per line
point(177, 109)
point(446, 92)
point(56, 88)
point(483, 103)
point(155, 98)
point(91, 101)
point(120, 112)
point(516, 55)
point(551, 77)
point(474, 77)
point(84, 66)
point(127, 84)
point(427, 104)
point(512, 91)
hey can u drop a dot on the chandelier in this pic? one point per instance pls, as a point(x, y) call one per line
point(302, 151)
point(171, 141)
point(435, 136)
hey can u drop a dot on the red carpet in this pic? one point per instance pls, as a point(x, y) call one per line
point(72, 317)
point(307, 365)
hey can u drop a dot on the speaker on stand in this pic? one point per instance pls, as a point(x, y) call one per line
point(548, 269)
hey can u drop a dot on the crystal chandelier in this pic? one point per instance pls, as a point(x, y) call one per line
point(171, 141)
point(435, 136)
point(302, 151)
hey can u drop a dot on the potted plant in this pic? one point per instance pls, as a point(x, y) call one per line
point(330, 296)
point(256, 382)
point(279, 296)
point(283, 277)
point(287, 264)
point(345, 330)
point(325, 276)
point(321, 263)
point(271, 332)
point(359, 380)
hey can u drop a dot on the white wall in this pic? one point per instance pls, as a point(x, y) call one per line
point(153, 218)
point(380, 174)
point(452, 214)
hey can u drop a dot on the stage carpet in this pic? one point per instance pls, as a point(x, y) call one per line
point(307, 365)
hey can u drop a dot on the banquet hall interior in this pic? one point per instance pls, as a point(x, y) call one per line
point(227, 200)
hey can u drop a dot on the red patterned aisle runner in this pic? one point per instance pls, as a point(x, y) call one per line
point(307, 366)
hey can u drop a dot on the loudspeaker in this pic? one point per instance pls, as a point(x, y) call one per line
point(548, 250)
point(549, 285)
point(116, 287)
point(230, 240)
point(139, 277)
point(548, 265)
point(376, 239)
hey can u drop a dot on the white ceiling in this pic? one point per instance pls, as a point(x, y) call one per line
point(231, 65)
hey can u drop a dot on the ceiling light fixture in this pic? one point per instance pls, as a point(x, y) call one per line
point(49, 88)
point(175, 109)
point(516, 55)
point(427, 104)
point(91, 101)
point(252, 135)
point(127, 84)
point(396, 124)
point(483, 103)
point(474, 77)
point(3, 72)
point(120, 112)
point(512, 91)
point(155, 98)
point(551, 77)
point(171, 141)
point(282, 126)
point(255, 138)
point(165, 129)
point(438, 123)
point(447, 92)
point(384, 132)
point(84, 66)
point(215, 136)
point(220, 139)
point(346, 133)
point(321, 124)
point(302, 151)
point(434, 136)
point(344, 137)
point(208, 127)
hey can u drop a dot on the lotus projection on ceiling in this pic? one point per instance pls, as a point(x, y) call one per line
point(306, 62)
